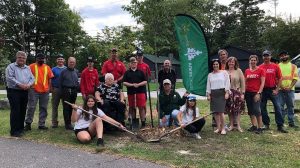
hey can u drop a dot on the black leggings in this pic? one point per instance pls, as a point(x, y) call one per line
point(196, 126)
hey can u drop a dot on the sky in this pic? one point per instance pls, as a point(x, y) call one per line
point(100, 13)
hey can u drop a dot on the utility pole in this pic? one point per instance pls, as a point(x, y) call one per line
point(275, 7)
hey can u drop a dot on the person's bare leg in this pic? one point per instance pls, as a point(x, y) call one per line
point(238, 118)
point(231, 120)
point(83, 136)
point(142, 116)
point(96, 127)
point(222, 123)
point(217, 118)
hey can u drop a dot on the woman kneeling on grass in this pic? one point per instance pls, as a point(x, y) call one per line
point(187, 114)
point(88, 126)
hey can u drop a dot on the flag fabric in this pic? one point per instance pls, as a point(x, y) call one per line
point(193, 54)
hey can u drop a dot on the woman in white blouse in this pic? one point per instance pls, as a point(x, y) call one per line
point(217, 90)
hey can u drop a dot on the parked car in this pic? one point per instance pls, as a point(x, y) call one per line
point(296, 61)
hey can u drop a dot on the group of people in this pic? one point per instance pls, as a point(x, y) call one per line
point(30, 85)
point(228, 89)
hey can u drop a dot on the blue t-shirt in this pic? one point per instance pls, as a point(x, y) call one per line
point(56, 72)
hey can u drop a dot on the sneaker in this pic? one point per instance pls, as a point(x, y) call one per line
point(100, 145)
point(293, 126)
point(69, 127)
point(280, 129)
point(27, 127)
point(54, 126)
point(223, 132)
point(251, 129)
point(197, 136)
point(43, 127)
point(266, 127)
point(100, 142)
point(258, 131)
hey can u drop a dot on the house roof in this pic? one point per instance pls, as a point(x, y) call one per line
point(161, 59)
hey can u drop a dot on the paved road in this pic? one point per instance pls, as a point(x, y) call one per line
point(26, 154)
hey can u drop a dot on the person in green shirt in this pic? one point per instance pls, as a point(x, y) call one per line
point(170, 102)
point(287, 88)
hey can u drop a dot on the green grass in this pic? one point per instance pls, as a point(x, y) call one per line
point(271, 149)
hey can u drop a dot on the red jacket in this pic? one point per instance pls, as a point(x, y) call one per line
point(89, 81)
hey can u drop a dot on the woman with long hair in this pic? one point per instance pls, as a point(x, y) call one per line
point(88, 126)
point(235, 104)
point(217, 90)
point(187, 114)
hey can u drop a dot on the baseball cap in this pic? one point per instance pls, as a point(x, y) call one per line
point(190, 98)
point(40, 55)
point(60, 55)
point(90, 59)
point(139, 53)
point(283, 52)
point(167, 81)
point(266, 52)
point(132, 59)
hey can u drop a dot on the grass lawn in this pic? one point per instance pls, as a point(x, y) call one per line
point(270, 149)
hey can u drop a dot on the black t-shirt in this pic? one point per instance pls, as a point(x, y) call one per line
point(162, 75)
point(109, 93)
point(136, 76)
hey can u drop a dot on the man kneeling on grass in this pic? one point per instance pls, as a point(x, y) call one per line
point(187, 114)
point(88, 126)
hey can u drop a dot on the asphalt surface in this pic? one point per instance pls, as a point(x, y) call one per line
point(16, 152)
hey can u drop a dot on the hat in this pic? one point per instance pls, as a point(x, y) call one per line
point(40, 55)
point(60, 55)
point(189, 98)
point(167, 81)
point(283, 52)
point(114, 49)
point(139, 53)
point(132, 59)
point(90, 59)
point(266, 52)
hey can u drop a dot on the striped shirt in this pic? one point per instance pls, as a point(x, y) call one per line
point(16, 74)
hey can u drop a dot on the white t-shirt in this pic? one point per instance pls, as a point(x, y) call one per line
point(187, 116)
point(82, 123)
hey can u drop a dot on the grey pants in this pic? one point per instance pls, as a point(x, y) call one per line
point(33, 98)
point(55, 99)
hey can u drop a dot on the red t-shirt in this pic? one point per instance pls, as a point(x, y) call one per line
point(117, 68)
point(253, 79)
point(89, 81)
point(145, 68)
point(273, 73)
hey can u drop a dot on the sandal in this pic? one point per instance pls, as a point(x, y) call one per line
point(217, 131)
point(240, 129)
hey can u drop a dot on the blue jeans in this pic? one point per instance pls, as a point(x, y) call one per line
point(268, 94)
point(287, 98)
point(168, 117)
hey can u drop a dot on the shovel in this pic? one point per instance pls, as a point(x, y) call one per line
point(175, 129)
point(132, 133)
